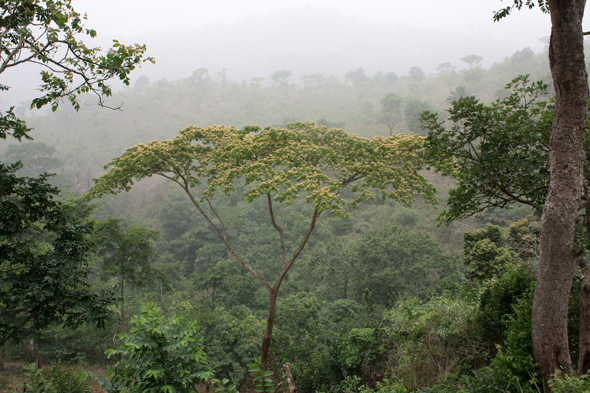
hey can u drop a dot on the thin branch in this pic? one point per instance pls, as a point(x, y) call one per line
point(278, 387)
point(352, 178)
point(278, 228)
point(12, 54)
point(33, 54)
point(517, 198)
point(218, 218)
point(285, 269)
point(225, 243)
point(46, 52)
point(34, 313)
point(170, 178)
point(478, 158)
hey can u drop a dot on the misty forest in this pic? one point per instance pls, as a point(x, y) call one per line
point(359, 232)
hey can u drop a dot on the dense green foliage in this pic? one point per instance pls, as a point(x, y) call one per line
point(43, 259)
point(383, 300)
point(498, 153)
point(159, 356)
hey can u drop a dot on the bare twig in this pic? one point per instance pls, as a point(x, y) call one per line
point(278, 386)
point(218, 218)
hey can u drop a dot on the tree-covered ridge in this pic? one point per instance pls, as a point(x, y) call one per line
point(155, 111)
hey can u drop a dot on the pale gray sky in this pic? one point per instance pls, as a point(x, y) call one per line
point(134, 17)
point(240, 36)
point(257, 37)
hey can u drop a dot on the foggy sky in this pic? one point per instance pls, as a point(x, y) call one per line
point(252, 38)
point(134, 17)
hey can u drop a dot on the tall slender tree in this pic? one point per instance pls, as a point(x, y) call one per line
point(127, 254)
point(567, 160)
point(278, 165)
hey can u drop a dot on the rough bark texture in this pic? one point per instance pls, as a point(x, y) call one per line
point(584, 333)
point(567, 157)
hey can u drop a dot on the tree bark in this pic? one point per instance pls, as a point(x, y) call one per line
point(272, 312)
point(584, 331)
point(584, 359)
point(290, 380)
point(567, 158)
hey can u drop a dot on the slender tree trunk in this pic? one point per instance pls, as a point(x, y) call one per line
point(567, 158)
point(39, 357)
point(346, 284)
point(213, 300)
point(123, 302)
point(270, 323)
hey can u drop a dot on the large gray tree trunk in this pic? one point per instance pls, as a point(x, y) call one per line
point(556, 263)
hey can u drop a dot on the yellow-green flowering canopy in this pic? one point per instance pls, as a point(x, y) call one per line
point(304, 159)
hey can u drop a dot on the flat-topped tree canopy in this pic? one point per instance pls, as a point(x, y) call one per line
point(304, 159)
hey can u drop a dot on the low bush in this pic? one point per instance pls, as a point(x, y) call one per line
point(56, 379)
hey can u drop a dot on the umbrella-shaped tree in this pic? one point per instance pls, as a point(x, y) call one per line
point(278, 165)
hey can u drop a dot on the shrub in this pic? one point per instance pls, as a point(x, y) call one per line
point(433, 339)
point(56, 379)
point(159, 356)
point(517, 356)
point(567, 384)
point(498, 299)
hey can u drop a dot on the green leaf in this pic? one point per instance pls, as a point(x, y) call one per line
point(157, 361)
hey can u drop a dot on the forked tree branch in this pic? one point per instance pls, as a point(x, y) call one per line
point(285, 269)
point(11, 55)
point(225, 242)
